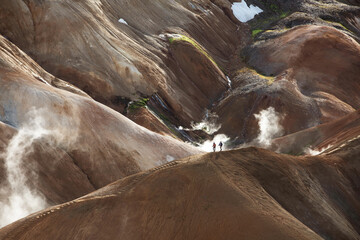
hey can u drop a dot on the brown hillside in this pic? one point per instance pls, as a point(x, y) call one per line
point(242, 194)
point(83, 139)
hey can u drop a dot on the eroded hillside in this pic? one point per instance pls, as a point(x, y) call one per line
point(100, 90)
point(242, 194)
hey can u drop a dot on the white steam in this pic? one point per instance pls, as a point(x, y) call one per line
point(208, 124)
point(313, 152)
point(207, 145)
point(17, 199)
point(229, 81)
point(269, 126)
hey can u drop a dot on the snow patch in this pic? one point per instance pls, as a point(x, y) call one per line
point(243, 12)
point(121, 20)
point(169, 158)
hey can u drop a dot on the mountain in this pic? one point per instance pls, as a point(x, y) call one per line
point(107, 108)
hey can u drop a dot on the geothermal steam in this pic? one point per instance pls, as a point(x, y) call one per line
point(207, 145)
point(314, 152)
point(210, 126)
point(18, 199)
point(269, 125)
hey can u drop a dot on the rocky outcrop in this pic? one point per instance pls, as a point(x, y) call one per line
point(248, 193)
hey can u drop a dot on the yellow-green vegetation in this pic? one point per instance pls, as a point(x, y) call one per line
point(261, 24)
point(284, 14)
point(138, 104)
point(271, 19)
point(255, 32)
point(337, 24)
point(269, 79)
point(180, 37)
point(277, 30)
point(274, 7)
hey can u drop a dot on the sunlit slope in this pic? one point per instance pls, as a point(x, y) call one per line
point(241, 194)
point(57, 145)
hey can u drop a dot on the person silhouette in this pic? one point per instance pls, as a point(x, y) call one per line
point(220, 145)
point(214, 146)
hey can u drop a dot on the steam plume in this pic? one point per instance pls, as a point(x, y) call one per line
point(313, 152)
point(269, 125)
point(17, 200)
point(208, 124)
point(207, 145)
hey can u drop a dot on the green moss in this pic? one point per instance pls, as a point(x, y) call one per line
point(255, 32)
point(265, 22)
point(294, 153)
point(274, 7)
point(284, 14)
point(138, 104)
point(166, 121)
point(184, 38)
point(164, 118)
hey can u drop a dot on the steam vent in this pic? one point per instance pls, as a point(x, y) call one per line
point(180, 120)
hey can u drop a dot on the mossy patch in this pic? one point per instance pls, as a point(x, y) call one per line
point(180, 37)
point(255, 32)
point(262, 24)
point(274, 7)
point(138, 104)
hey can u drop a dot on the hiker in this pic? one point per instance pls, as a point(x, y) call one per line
point(220, 145)
point(214, 146)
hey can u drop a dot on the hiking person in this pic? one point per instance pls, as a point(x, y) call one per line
point(214, 147)
point(220, 145)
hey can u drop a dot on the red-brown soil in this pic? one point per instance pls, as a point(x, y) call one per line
point(88, 146)
point(241, 194)
point(311, 78)
point(83, 43)
point(327, 136)
point(145, 118)
point(69, 69)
